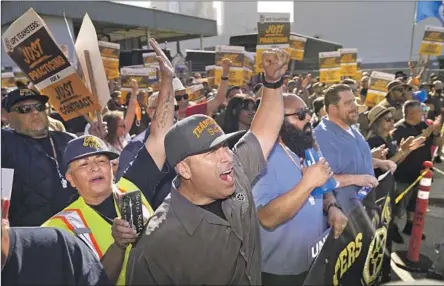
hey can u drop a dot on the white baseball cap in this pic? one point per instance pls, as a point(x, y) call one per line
point(177, 84)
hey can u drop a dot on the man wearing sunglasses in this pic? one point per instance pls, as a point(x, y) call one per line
point(396, 96)
point(187, 109)
point(40, 190)
point(285, 205)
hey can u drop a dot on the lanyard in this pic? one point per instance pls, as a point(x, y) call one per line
point(311, 199)
point(62, 179)
point(289, 155)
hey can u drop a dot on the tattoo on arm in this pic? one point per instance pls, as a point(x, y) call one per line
point(164, 112)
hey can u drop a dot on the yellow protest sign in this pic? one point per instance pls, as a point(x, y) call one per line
point(349, 62)
point(31, 46)
point(297, 47)
point(358, 75)
point(236, 55)
point(8, 79)
point(145, 78)
point(210, 71)
point(110, 53)
point(149, 59)
point(330, 67)
point(273, 32)
point(431, 44)
point(377, 87)
point(196, 93)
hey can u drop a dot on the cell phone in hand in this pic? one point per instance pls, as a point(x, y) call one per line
point(131, 209)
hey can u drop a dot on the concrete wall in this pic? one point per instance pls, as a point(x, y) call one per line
point(58, 28)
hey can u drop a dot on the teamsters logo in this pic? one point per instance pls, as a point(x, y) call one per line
point(261, 19)
point(8, 45)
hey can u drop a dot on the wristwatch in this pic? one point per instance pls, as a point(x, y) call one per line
point(272, 85)
point(333, 205)
point(224, 78)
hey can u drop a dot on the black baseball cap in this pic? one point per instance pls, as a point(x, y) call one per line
point(196, 134)
point(21, 94)
point(85, 146)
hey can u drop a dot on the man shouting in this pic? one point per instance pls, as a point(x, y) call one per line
point(206, 231)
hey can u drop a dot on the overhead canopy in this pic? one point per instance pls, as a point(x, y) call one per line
point(117, 21)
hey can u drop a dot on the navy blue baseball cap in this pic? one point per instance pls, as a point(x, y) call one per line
point(85, 146)
point(21, 94)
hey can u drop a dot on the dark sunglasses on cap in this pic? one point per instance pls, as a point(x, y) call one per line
point(301, 113)
point(179, 97)
point(28, 108)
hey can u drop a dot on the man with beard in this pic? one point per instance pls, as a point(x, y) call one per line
point(291, 217)
point(345, 148)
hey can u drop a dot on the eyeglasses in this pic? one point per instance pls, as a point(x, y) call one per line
point(389, 119)
point(28, 108)
point(301, 113)
point(179, 97)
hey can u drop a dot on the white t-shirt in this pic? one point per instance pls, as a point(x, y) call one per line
point(350, 131)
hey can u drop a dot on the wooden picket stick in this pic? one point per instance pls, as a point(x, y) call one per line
point(92, 82)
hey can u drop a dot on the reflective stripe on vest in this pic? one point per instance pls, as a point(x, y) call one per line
point(75, 221)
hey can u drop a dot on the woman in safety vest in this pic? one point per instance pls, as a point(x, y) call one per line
point(95, 216)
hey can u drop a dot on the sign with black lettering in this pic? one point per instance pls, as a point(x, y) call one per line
point(357, 256)
point(31, 46)
point(273, 31)
point(145, 78)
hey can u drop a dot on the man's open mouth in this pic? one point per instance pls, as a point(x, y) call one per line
point(227, 176)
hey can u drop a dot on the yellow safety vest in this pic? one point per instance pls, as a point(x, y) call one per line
point(88, 225)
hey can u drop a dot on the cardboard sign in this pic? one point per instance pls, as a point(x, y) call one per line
point(330, 67)
point(87, 41)
point(297, 47)
point(149, 59)
point(349, 62)
point(236, 55)
point(31, 46)
point(273, 32)
point(210, 71)
point(431, 44)
point(195, 93)
point(8, 79)
point(377, 87)
point(145, 78)
point(7, 182)
point(110, 53)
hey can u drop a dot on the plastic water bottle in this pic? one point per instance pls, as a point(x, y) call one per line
point(362, 193)
point(311, 157)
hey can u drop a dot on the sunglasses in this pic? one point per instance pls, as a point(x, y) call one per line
point(179, 97)
point(249, 105)
point(301, 113)
point(28, 108)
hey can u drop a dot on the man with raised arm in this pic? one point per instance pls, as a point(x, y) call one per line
point(206, 231)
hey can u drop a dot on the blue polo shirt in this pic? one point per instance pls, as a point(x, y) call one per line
point(287, 249)
point(346, 154)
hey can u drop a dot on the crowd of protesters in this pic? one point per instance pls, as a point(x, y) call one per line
point(226, 199)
